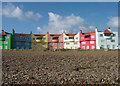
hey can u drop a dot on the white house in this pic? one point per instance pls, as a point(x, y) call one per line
point(106, 39)
point(71, 41)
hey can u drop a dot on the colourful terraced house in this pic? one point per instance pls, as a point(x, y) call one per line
point(39, 41)
point(6, 40)
point(106, 39)
point(71, 41)
point(55, 41)
point(87, 40)
point(21, 41)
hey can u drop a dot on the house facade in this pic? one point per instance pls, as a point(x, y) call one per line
point(21, 41)
point(106, 39)
point(55, 41)
point(71, 41)
point(39, 41)
point(5, 40)
point(87, 40)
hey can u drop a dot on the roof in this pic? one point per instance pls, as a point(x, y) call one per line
point(107, 31)
point(39, 34)
point(21, 34)
point(4, 33)
point(88, 32)
point(55, 35)
point(71, 34)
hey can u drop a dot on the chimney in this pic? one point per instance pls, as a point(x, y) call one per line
point(13, 31)
point(80, 31)
point(109, 29)
point(31, 32)
point(47, 32)
point(2, 31)
point(96, 30)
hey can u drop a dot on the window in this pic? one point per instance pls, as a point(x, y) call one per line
point(102, 40)
point(91, 42)
point(43, 48)
point(50, 48)
point(101, 35)
point(107, 34)
point(112, 40)
point(83, 47)
point(35, 43)
point(67, 43)
point(113, 46)
point(60, 39)
point(33, 38)
point(55, 47)
point(43, 43)
point(114, 34)
point(6, 47)
point(76, 37)
point(17, 47)
point(51, 43)
point(87, 36)
point(59, 47)
point(0, 47)
point(92, 36)
point(5, 42)
point(108, 46)
point(102, 47)
point(39, 48)
point(82, 37)
point(75, 43)
point(76, 47)
point(65, 38)
point(93, 47)
point(44, 38)
point(7, 37)
point(71, 37)
point(39, 38)
point(49, 38)
point(59, 43)
point(83, 42)
point(34, 48)
point(87, 47)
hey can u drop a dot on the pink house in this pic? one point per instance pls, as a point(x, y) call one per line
point(55, 41)
point(87, 40)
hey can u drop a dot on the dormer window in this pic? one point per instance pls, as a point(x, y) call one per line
point(71, 37)
point(101, 35)
point(87, 36)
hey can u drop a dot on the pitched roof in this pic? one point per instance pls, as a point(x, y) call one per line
point(21, 34)
point(39, 34)
point(71, 34)
point(107, 31)
point(88, 32)
point(55, 35)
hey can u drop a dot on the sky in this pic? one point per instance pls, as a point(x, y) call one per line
point(56, 17)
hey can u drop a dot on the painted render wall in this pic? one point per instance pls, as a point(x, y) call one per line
point(72, 42)
point(106, 40)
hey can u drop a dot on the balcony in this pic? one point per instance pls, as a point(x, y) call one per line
point(54, 40)
point(87, 39)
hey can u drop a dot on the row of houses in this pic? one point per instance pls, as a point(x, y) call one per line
point(91, 40)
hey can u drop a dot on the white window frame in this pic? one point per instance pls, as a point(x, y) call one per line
point(93, 36)
point(6, 47)
point(83, 42)
point(91, 42)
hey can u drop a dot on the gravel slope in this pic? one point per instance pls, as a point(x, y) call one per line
point(60, 67)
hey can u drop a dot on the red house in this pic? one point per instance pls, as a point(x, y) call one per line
point(55, 41)
point(87, 40)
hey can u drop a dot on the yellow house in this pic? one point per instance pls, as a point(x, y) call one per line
point(39, 41)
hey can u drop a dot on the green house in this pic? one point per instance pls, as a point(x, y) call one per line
point(5, 40)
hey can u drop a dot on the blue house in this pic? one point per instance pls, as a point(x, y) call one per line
point(21, 41)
